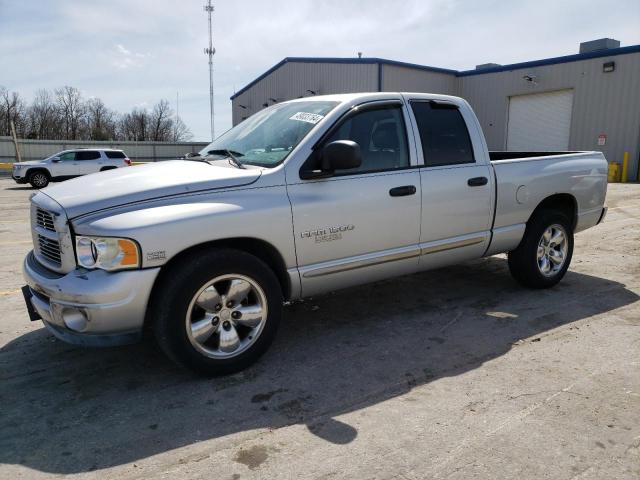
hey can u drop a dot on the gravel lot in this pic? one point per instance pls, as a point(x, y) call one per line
point(456, 373)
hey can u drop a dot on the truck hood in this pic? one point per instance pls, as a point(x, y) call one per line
point(128, 185)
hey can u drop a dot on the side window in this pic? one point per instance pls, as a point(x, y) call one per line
point(382, 137)
point(87, 155)
point(115, 154)
point(443, 133)
point(69, 156)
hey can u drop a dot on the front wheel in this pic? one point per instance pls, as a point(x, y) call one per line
point(39, 179)
point(544, 254)
point(217, 312)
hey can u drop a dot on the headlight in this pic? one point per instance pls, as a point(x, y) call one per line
point(107, 253)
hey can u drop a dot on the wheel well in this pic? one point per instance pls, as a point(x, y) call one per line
point(31, 171)
point(259, 248)
point(562, 202)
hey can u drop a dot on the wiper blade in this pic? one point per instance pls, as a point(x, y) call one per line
point(229, 153)
point(225, 151)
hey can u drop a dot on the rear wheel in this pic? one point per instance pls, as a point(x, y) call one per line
point(544, 254)
point(39, 179)
point(217, 312)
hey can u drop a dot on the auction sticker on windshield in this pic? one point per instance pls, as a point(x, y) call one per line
point(307, 117)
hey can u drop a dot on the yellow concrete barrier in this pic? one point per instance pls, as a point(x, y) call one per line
point(614, 172)
point(625, 167)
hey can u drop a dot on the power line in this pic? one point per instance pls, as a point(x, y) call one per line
point(210, 51)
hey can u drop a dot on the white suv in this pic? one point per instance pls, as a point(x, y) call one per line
point(68, 164)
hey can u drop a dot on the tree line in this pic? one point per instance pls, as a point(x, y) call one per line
point(63, 114)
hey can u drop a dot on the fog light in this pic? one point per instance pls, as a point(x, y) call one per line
point(75, 319)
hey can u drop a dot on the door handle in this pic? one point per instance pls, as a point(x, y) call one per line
point(402, 191)
point(477, 181)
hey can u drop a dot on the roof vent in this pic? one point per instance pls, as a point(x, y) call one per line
point(484, 66)
point(600, 44)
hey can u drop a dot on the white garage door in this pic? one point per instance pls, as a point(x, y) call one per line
point(540, 121)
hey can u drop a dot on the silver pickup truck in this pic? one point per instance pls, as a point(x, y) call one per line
point(302, 198)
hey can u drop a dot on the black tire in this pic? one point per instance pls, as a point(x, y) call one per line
point(523, 261)
point(39, 178)
point(173, 297)
point(104, 169)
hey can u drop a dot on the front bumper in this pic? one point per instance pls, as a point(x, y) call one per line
point(90, 307)
point(19, 179)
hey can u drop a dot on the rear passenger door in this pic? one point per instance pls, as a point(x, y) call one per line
point(88, 161)
point(456, 186)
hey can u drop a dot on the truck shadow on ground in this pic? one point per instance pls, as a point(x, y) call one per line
point(68, 410)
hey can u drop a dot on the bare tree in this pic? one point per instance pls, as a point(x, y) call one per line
point(135, 125)
point(72, 111)
point(161, 123)
point(100, 121)
point(43, 117)
point(181, 132)
point(12, 109)
point(64, 115)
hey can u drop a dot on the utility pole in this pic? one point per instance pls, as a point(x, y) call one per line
point(210, 51)
point(15, 141)
point(175, 127)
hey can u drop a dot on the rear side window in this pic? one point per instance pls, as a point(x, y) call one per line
point(87, 155)
point(115, 154)
point(443, 133)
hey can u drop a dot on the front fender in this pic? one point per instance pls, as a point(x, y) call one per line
point(164, 230)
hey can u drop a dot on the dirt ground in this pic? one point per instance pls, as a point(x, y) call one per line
point(456, 373)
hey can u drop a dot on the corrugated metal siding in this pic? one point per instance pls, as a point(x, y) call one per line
point(604, 103)
point(292, 80)
point(137, 151)
point(403, 79)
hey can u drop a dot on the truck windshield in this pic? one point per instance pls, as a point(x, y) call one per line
point(266, 138)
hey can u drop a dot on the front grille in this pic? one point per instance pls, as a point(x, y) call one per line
point(44, 220)
point(49, 249)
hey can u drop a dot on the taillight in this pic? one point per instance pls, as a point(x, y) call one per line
point(127, 161)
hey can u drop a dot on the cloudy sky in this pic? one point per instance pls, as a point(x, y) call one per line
point(135, 52)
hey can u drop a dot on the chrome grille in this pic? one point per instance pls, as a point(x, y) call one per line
point(45, 220)
point(52, 243)
point(49, 249)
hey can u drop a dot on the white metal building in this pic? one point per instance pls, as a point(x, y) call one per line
point(586, 101)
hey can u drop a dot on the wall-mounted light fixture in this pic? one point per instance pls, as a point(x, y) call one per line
point(530, 78)
point(273, 100)
point(608, 67)
point(242, 107)
point(312, 92)
point(265, 104)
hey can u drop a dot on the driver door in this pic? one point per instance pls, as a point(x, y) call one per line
point(362, 224)
point(67, 166)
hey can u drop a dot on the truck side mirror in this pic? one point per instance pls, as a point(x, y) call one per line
point(55, 159)
point(341, 155)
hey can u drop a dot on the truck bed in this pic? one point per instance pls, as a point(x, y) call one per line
point(524, 179)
